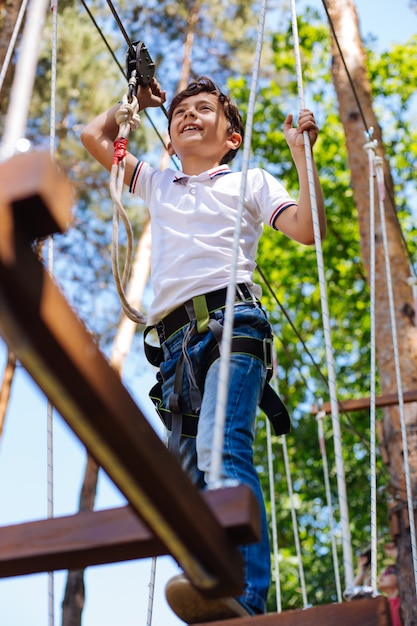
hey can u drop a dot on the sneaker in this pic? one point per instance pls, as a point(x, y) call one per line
point(192, 607)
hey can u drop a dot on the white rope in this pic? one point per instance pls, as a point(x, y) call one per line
point(50, 261)
point(370, 147)
point(381, 191)
point(273, 518)
point(128, 119)
point(322, 444)
point(215, 473)
point(294, 522)
point(12, 42)
point(21, 91)
point(340, 472)
point(272, 492)
point(151, 594)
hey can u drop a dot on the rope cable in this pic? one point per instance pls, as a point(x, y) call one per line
point(370, 148)
point(50, 263)
point(12, 42)
point(215, 472)
point(273, 517)
point(121, 27)
point(291, 499)
point(294, 521)
point(322, 444)
point(381, 191)
point(127, 118)
point(272, 491)
point(340, 472)
point(151, 594)
point(99, 30)
point(20, 95)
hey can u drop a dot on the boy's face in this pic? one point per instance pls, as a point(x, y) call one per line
point(199, 127)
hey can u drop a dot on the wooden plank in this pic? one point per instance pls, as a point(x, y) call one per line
point(65, 361)
point(360, 404)
point(365, 612)
point(39, 193)
point(98, 537)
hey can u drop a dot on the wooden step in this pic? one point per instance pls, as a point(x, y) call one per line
point(364, 612)
point(106, 536)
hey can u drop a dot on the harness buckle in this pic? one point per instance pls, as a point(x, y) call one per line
point(267, 350)
point(174, 403)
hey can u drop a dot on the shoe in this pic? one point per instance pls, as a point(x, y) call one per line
point(192, 607)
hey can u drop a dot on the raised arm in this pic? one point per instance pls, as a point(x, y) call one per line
point(98, 136)
point(296, 221)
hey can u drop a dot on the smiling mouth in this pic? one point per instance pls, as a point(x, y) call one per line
point(190, 127)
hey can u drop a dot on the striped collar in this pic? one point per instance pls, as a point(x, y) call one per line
point(220, 170)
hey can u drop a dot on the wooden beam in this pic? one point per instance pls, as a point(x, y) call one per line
point(65, 361)
point(359, 404)
point(39, 193)
point(365, 612)
point(98, 537)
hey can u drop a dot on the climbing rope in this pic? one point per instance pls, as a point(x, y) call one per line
point(215, 473)
point(50, 263)
point(340, 472)
point(273, 517)
point(274, 525)
point(21, 91)
point(379, 170)
point(128, 119)
point(12, 42)
point(322, 444)
point(370, 147)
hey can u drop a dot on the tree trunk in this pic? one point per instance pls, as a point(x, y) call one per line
point(345, 21)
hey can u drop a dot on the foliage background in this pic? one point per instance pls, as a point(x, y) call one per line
point(90, 81)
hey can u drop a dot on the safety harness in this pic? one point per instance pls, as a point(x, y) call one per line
point(200, 310)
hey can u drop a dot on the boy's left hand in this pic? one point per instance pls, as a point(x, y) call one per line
point(306, 122)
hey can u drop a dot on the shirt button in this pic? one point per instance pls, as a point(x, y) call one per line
point(193, 190)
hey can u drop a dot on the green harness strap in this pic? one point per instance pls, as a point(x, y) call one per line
point(201, 313)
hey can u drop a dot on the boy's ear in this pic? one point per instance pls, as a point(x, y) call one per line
point(234, 141)
point(170, 149)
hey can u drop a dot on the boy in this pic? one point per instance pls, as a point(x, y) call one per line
point(193, 215)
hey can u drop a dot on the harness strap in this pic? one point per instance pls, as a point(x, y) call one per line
point(270, 403)
point(174, 404)
point(199, 309)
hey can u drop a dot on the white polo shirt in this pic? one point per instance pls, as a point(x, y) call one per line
point(192, 225)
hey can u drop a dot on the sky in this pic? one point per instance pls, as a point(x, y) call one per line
point(116, 595)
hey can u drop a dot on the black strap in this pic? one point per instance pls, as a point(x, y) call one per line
point(185, 313)
point(271, 404)
point(174, 405)
point(275, 410)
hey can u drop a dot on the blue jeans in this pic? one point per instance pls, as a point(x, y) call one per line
point(246, 381)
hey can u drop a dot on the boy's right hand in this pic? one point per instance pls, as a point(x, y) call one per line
point(150, 95)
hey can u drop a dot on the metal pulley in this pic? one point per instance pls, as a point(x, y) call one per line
point(139, 63)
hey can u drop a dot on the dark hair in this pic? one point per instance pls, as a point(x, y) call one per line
point(233, 117)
